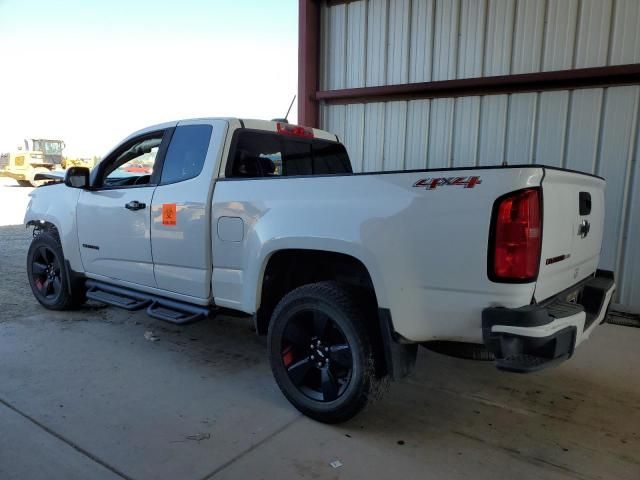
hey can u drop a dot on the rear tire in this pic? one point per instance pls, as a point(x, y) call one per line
point(47, 272)
point(320, 352)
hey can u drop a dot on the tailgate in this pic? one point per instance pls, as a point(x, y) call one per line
point(573, 219)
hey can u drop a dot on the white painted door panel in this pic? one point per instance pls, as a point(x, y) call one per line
point(114, 241)
point(180, 256)
point(182, 249)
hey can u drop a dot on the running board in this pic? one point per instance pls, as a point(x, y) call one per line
point(160, 308)
point(179, 317)
point(116, 300)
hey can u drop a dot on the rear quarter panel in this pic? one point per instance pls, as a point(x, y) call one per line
point(425, 249)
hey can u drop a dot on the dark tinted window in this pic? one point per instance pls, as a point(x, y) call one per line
point(260, 154)
point(257, 155)
point(297, 158)
point(329, 157)
point(186, 153)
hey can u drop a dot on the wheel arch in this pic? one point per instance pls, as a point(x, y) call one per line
point(53, 208)
point(44, 226)
point(289, 268)
point(286, 269)
point(281, 273)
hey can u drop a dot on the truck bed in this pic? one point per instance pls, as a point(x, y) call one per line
point(423, 235)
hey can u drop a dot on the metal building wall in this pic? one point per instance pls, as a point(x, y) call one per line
point(383, 42)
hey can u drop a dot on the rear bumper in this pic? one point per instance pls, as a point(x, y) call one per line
point(534, 337)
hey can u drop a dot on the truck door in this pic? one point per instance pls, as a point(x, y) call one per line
point(114, 217)
point(180, 212)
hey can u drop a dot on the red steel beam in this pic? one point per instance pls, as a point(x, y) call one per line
point(525, 82)
point(308, 61)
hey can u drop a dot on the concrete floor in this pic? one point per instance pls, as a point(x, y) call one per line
point(85, 395)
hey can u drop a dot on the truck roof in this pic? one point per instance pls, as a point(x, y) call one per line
point(255, 124)
point(272, 126)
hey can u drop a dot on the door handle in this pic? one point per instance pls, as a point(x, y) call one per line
point(135, 205)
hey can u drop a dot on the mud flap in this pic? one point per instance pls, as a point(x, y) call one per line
point(400, 358)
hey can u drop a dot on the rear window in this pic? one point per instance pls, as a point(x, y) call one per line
point(264, 154)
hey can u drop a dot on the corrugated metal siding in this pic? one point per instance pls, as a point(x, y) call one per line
point(493, 125)
point(471, 45)
point(597, 130)
point(527, 36)
point(356, 44)
point(398, 42)
point(382, 42)
point(418, 112)
point(551, 127)
point(499, 37)
point(592, 44)
point(445, 40)
point(465, 131)
point(560, 35)
point(625, 38)
point(421, 44)
point(376, 54)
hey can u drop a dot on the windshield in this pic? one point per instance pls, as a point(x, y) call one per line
point(48, 147)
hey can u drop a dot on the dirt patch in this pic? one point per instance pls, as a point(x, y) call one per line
point(16, 299)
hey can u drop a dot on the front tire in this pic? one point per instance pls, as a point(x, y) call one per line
point(47, 274)
point(320, 352)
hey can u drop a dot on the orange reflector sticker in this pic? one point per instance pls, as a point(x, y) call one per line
point(169, 214)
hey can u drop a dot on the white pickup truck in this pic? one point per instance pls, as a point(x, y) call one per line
point(346, 272)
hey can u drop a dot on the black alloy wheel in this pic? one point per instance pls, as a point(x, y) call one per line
point(320, 351)
point(316, 355)
point(48, 275)
point(45, 272)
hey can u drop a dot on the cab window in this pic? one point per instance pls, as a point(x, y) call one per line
point(186, 153)
point(134, 164)
point(265, 154)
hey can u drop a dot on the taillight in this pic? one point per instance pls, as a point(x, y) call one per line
point(517, 237)
point(294, 130)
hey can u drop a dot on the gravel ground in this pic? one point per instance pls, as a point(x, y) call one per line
point(16, 299)
point(15, 295)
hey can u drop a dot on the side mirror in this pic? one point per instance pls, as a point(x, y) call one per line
point(77, 177)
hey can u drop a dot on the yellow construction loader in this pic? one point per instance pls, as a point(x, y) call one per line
point(37, 155)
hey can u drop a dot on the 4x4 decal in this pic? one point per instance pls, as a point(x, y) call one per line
point(432, 183)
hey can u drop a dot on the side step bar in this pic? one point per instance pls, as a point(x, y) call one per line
point(172, 311)
point(117, 300)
